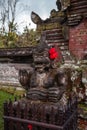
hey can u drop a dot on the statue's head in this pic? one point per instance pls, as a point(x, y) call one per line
point(41, 57)
point(45, 55)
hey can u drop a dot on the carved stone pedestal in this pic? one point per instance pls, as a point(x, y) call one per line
point(27, 115)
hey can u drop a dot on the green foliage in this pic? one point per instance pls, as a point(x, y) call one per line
point(13, 90)
point(2, 45)
point(7, 93)
point(9, 37)
point(2, 41)
point(83, 106)
point(8, 40)
point(12, 27)
point(28, 37)
point(12, 39)
point(3, 97)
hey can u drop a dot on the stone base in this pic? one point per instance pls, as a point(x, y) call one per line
point(39, 115)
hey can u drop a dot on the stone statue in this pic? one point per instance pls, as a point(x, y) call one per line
point(45, 83)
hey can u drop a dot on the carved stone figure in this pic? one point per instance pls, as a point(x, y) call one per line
point(44, 83)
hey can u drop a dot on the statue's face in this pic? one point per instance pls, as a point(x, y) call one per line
point(42, 67)
point(39, 68)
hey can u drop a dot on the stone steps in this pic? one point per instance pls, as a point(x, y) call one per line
point(55, 37)
point(77, 12)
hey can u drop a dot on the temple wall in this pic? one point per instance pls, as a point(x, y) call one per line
point(9, 73)
point(78, 40)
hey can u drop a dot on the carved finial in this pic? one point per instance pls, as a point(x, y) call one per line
point(35, 18)
point(65, 4)
point(58, 3)
point(62, 4)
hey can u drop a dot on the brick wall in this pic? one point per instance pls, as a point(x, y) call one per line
point(78, 40)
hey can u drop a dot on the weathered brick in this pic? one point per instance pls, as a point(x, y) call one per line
point(78, 39)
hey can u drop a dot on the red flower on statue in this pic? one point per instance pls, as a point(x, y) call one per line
point(30, 127)
point(53, 54)
point(52, 50)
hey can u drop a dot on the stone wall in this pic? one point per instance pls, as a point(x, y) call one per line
point(9, 73)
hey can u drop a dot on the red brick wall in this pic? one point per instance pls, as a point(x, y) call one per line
point(78, 40)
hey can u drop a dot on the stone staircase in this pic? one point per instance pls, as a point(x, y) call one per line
point(55, 37)
point(78, 7)
point(77, 12)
